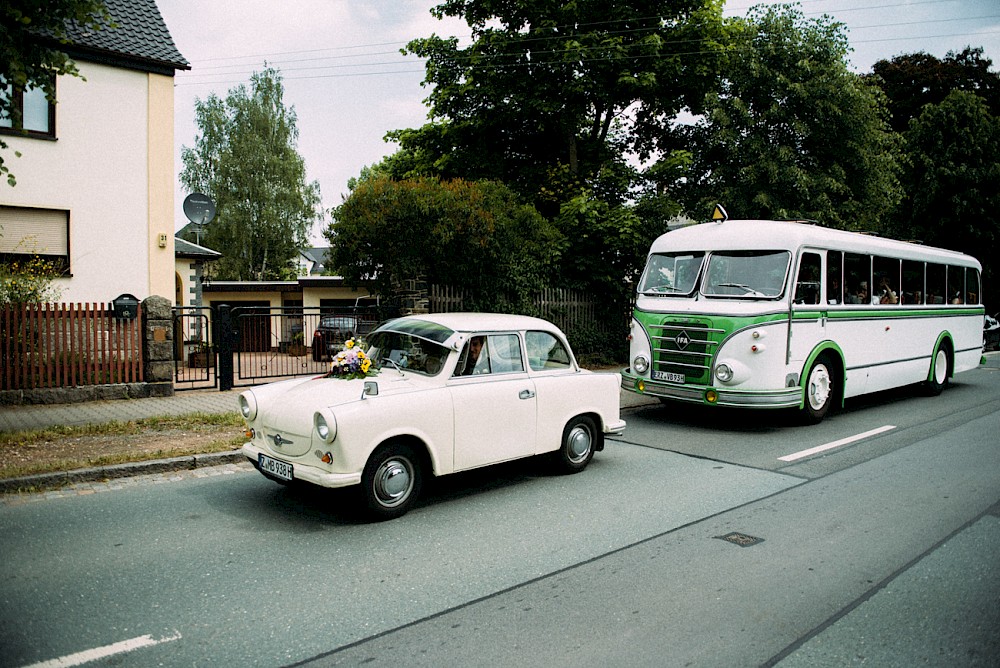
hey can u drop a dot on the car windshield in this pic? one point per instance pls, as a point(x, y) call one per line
point(671, 274)
point(339, 322)
point(405, 352)
point(746, 274)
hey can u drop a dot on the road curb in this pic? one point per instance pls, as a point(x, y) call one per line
point(41, 481)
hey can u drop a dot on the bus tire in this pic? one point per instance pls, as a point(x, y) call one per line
point(940, 372)
point(819, 391)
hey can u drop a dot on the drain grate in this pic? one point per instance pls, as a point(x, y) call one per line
point(741, 539)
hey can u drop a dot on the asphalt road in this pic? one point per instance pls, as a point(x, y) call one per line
point(880, 551)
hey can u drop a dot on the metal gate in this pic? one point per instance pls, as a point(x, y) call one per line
point(272, 343)
point(225, 347)
point(195, 363)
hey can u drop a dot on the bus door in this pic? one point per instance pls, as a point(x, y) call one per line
point(808, 309)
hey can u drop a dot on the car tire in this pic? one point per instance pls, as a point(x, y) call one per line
point(391, 481)
point(580, 439)
point(939, 373)
point(819, 391)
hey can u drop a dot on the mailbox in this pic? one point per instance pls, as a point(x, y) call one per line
point(125, 307)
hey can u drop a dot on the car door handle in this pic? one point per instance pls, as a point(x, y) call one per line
point(526, 394)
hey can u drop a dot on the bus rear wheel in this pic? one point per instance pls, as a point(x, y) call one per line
point(939, 373)
point(819, 391)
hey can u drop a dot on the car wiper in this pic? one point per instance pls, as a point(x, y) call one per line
point(394, 365)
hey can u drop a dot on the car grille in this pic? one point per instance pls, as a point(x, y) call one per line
point(685, 347)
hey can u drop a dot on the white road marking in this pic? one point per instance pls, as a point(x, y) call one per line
point(835, 444)
point(89, 655)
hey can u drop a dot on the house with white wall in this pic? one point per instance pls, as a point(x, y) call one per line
point(96, 174)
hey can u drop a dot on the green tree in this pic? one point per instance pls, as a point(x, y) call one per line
point(31, 33)
point(792, 132)
point(951, 175)
point(913, 80)
point(550, 96)
point(245, 158)
point(474, 236)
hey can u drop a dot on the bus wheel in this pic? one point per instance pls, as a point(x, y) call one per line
point(819, 391)
point(939, 374)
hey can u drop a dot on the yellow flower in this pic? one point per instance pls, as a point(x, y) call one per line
point(367, 364)
point(349, 344)
point(361, 354)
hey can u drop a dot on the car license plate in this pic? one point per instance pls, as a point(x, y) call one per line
point(668, 377)
point(274, 467)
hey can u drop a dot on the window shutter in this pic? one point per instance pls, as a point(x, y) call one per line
point(34, 231)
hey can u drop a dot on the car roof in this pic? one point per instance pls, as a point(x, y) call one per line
point(486, 322)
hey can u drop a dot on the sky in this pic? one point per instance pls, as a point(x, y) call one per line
point(349, 85)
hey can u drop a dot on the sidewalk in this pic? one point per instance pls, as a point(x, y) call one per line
point(21, 418)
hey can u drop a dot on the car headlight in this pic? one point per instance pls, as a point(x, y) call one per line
point(325, 429)
point(248, 406)
point(640, 364)
point(723, 372)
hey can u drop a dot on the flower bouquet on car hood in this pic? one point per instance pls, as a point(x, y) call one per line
point(351, 362)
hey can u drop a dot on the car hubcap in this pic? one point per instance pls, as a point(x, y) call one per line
point(819, 387)
point(579, 443)
point(392, 482)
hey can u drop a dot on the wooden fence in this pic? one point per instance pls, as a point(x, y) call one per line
point(568, 309)
point(67, 345)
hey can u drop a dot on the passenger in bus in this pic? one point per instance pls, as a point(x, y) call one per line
point(861, 296)
point(886, 293)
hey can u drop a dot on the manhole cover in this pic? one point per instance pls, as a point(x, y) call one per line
point(741, 539)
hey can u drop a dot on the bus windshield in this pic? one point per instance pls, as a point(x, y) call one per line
point(746, 274)
point(671, 274)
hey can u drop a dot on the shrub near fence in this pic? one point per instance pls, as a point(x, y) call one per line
point(65, 345)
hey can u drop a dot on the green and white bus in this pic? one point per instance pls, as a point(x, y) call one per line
point(771, 314)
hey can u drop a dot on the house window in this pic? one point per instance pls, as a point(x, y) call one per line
point(32, 114)
point(26, 233)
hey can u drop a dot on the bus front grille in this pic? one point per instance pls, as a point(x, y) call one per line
point(685, 348)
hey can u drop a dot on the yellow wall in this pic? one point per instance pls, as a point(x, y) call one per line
point(160, 155)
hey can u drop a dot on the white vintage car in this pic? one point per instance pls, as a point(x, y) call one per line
point(452, 392)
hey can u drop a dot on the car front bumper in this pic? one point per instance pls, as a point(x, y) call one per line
point(304, 472)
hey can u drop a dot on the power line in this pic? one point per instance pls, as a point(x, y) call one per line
point(492, 59)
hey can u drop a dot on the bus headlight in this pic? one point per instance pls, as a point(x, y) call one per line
point(723, 372)
point(325, 429)
point(640, 364)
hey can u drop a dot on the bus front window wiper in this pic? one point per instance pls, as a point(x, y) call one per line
point(748, 290)
point(660, 290)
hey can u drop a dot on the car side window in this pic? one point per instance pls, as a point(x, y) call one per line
point(505, 353)
point(546, 352)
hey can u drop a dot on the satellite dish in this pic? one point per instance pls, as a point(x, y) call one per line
point(199, 208)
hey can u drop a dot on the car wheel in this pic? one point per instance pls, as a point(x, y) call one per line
point(580, 439)
point(819, 391)
point(391, 481)
point(939, 374)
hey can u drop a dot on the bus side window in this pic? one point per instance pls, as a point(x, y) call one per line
point(912, 289)
point(807, 285)
point(935, 283)
point(886, 278)
point(857, 278)
point(956, 285)
point(834, 277)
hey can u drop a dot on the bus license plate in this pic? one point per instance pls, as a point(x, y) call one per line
point(273, 467)
point(668, 377)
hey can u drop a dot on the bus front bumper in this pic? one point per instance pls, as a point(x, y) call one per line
point(789, 397)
